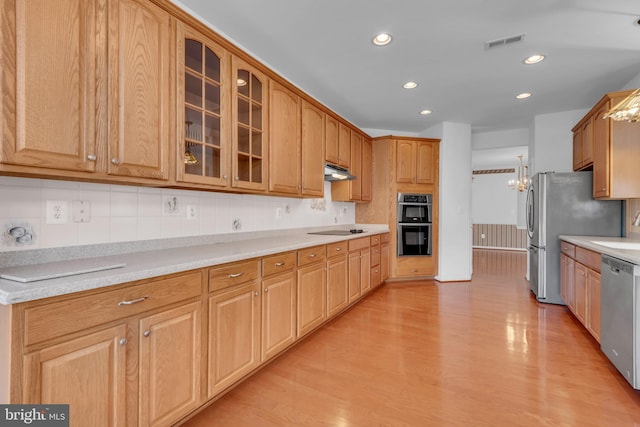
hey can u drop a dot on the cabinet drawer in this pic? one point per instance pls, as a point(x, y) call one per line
point(375, 239)
point(278, 263)
point(338, 248)
point(567, 249)
point(376, 276)
point(357, 244)
point(233, 274)
point(589, 258)
point(385, 237)
point(309, 255)
point(64, 317)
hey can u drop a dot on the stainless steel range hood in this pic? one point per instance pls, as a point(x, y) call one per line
point(336, 173)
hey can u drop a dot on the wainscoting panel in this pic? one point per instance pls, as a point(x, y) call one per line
point(499, 236)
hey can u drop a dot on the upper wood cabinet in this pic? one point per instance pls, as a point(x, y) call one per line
point(359, 189)
point(203, 134)
point(344, 146)
point(415, 162)
point(139, 89)
point(615, 149)
point(312, 150)
point(48, 88)
point(332, 140)
point(366, 169)
point(250, 126)
point(583, 144)
point(284, 144)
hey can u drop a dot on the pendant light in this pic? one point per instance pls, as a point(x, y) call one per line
point(523, 178)
point(626, 110)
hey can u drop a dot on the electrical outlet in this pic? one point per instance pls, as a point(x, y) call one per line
point(81, 210)
point(192, 212)
point(236, 224)
point(57, 212)
point(482, 236)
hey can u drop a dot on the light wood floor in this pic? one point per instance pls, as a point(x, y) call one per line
point(480, 353)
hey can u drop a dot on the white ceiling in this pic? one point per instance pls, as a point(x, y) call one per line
point(324, 47)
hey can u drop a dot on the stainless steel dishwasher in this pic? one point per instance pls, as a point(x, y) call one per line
point(620, 313)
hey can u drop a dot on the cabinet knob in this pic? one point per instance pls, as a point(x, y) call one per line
point(256, 293)
point(234, 275)
point(91, 157)
point(115, 161)
point(122, 341)
point(338, 249)
point(225, 177)
point(237, 178)
point(146, 333)
point(266, 290)
point(312, 255)
point(279, 264)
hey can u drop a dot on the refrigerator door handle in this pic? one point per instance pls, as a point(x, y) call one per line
point(529, 216)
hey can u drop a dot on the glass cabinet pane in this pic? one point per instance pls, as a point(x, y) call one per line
point(256, 89)
point(203, 111)
point(243, 140)
point(243, 82)
point(249, 126)
point(243, 111)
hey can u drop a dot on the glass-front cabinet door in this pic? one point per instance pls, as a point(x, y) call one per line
point(249, 127)
point(203, 110)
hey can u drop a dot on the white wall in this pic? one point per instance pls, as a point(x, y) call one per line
point(454, 262)
point(500, 139)
point(129, 213)
point(552, 141)
point(492, 201)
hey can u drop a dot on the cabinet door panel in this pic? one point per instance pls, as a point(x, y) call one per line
point(312, 297)
point(344, 146)
point(169, 364)
point(355, 275)
point(284, 121)
point(426, 161)
point(234, 336)
point(312, 147)
point(601, 148)
point(580, 292)
point(139, 84)
point(405, 162)
point(337, 285)
point(366, 169)
point(332, 142)
point(88, 373)
point(278, 314)
point(48, 92)
point(593, 298)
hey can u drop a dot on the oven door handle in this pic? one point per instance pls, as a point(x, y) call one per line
point(417, 224)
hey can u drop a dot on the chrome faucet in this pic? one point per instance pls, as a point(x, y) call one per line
point(636, 220)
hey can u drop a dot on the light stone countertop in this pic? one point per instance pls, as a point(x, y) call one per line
point(163, 261)
point(617, 247)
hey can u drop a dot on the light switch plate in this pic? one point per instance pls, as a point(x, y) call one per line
point(81, 210)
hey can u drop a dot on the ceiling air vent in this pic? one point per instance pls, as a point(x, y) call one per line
point(503, 41)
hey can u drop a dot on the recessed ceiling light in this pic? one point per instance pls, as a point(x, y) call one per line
point(533, 59)
point(425, 112)
point(410, 85)
point(523, 95)
point(382, 39)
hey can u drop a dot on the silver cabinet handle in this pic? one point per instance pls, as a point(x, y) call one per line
point(115, 161)
point(237, 178)
point(122, 341)
point(146, 333)
point(91, 157)
point(311, 255)
point(133, 301)
point(338, 249)
point(233, 276)
point(225, 176)
point(279, 264)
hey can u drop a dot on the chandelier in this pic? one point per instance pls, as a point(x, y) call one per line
point(523, 178)
point(626, 110)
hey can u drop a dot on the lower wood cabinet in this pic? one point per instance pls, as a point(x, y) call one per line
point(580, 285)
point(278, 313)
point(170, 348)
point(150, 352)
point(92, 365)
point(234, 335)
point(311, 290)
point(337, 278)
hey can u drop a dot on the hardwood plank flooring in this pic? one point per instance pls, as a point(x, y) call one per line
point(479, 353)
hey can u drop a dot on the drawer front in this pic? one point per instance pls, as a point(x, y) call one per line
point(310, 255)
point(338, 248)
point(275, 264)
point(589, 258)
point(567, 249)
point(60, 318)
point(386, 237)
point(236, 273)
point(376, 277)
point(375, 239)
point(357, 244)
point(375, 255)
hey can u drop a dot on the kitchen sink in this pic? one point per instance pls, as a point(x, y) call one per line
point(619, 245)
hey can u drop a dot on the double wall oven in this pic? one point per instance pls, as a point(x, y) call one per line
point(414, 224)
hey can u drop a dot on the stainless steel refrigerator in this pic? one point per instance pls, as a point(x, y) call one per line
point(562, 203)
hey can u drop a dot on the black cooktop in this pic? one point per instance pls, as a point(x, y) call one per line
point(339, 232)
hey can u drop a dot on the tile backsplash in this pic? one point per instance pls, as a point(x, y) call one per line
point(118, 213)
